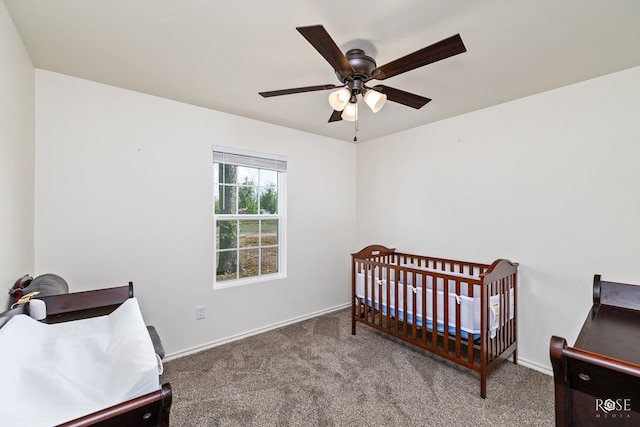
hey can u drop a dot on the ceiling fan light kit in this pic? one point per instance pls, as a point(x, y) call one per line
point(355, 68)
point(339, 99)
point(375, 100)
point(343, 98)
point(350, 112)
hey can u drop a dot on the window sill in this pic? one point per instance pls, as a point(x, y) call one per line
point(247, 281)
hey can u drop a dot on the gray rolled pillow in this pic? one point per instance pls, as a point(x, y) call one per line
point(47, 284)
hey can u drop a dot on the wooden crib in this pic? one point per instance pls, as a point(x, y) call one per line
point(463, 311)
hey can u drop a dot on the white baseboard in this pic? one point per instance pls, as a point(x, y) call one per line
point(216, 343)
point(193, 350)
point(535, 366)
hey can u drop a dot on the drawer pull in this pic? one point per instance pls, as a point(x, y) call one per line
point(584, 377)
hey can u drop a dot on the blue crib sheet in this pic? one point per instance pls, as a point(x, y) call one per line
point(429, 324)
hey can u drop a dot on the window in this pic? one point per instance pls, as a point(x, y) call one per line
point(248, 215)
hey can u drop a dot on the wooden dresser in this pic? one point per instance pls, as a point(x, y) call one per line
point(597, 381)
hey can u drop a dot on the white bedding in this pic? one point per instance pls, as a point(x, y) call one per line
point(55, 373)
point(469, 306)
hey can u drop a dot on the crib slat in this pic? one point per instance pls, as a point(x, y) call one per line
point(424, 308)
point(470, 358)
point(434, 311)
point(445, 313)
point(458, 320)
point(395, 318)
point(503, 317)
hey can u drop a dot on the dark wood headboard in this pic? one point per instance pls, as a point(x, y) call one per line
point(80, 305)
point(373, 251)
point(617, 294)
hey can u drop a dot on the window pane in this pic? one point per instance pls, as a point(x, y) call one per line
point(226, 235)
point(226, 263)
point(268, 178)
point(249, 233)
point(269, 260)
point(249, 263)
point(226, 173)
point(247, 200)
point(269, 200)
point(269, 232)
point(225, 199)
point(247, 176)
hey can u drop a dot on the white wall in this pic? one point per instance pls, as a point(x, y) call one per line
point(124, 192)
point(549, 181)
point(17, 116)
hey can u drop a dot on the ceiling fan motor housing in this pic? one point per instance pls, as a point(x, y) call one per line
point(362, 65)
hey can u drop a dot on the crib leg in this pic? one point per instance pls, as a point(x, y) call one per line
point(515, 357)
point(353, 318)
point(483, 386)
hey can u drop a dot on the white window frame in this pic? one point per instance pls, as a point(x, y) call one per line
point(253, 159)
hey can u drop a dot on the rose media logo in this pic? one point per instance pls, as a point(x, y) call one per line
point(613, 408)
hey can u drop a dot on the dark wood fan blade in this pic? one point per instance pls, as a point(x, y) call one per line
point(336, 116)
point(436, 52)
point(298, 90)
point(324, 44)
point(402, 97)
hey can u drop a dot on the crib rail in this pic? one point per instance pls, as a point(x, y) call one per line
point(463, 311)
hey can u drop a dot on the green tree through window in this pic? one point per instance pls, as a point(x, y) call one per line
point(227, 230)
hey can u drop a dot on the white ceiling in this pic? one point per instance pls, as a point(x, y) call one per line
point(220, 54)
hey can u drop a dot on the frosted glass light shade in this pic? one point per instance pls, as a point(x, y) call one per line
point(375, 100)
point(350, 112)
point(339, 99)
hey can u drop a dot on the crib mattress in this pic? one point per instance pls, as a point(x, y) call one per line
point(55, 373)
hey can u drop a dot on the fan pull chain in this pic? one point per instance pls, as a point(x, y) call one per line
point(355, 130)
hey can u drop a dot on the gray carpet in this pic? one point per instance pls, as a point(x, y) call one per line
point(315, 373)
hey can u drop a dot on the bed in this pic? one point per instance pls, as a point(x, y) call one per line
point(462, 311)
point(90, 361)
point(597, 381)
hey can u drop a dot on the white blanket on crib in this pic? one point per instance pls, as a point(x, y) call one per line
point(469, 306)
point(55, 373)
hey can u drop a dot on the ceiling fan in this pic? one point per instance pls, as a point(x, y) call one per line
point(355, 68)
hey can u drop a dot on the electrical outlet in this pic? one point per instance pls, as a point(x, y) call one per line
point(200, 312)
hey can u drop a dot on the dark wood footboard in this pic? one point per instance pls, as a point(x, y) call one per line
point(150, 410)
point(499, 279)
